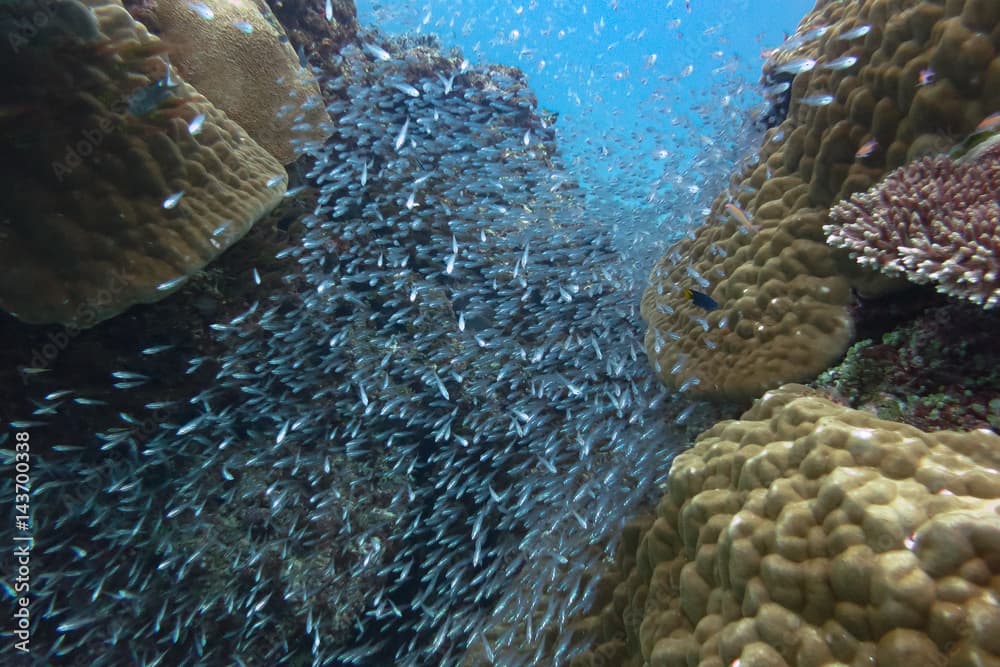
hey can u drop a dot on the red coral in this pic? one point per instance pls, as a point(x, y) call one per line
point(934, 220)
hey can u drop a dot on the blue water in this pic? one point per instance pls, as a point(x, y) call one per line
point(636, 83)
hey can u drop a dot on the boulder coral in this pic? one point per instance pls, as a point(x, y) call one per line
point(859, 106)
point(119, 182)
point(807, 533)
point(237, 55)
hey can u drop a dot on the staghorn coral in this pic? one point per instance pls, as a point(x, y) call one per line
point(111, 200)
point(807, 533)
point(241, 60)
point(934, 220)
point(783, 294)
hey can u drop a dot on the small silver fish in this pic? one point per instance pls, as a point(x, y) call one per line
point(776, 89)
point(401, 138)
point(129, 375)
point(854, 33)
point(843, 62)
point(171, 201)
point(194, 127)
point(243, 26)
point(328, 10)
point(202, 10)
point(818, 100)
point(88, 401)
point(170, 284)
point(406, 89)
point(796, 66)
point(806, 37)
point(56, 395)
point(377, 52)
point(129, 385)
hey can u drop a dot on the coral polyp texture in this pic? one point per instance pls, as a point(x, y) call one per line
point(118, 183)
point(858, 106)
point(237, 54)
point(807, 533)
point(934, 220)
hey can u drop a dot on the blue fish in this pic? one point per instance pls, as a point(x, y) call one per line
point(149, 98)
point(700, 299)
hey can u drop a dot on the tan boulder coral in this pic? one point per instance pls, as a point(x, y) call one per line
point(873, 83)
point(237, 55)
point(119, 182)
point(807, 534)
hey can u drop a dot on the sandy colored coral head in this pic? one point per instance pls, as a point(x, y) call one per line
point(807, 533)
point(860, 104)
point(118, 182)
point(242, 61)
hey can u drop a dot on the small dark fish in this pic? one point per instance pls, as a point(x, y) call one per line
point(700, 299)
point(149, 98)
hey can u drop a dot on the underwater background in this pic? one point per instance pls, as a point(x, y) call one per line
point(519, 333)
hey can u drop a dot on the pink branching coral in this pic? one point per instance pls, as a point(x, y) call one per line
point(934, 220)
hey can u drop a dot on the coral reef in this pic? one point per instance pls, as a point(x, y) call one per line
point(398, 405)
point(934, 220)
point(239, 57)
point(923, 374)
point(402, 420)
point(181, 531)
point(858, 108)
point(320, 39)
point(119, 183)
point(807, 533)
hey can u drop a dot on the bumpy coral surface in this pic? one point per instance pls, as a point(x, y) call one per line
point(117, 183)
point(934, 220)
point(808, 533)
point(859, 106)
point(236, 54)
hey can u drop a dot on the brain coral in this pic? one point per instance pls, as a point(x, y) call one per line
point(808, 533)
point(782, 293)
point(933, 220)
point(112, 193)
